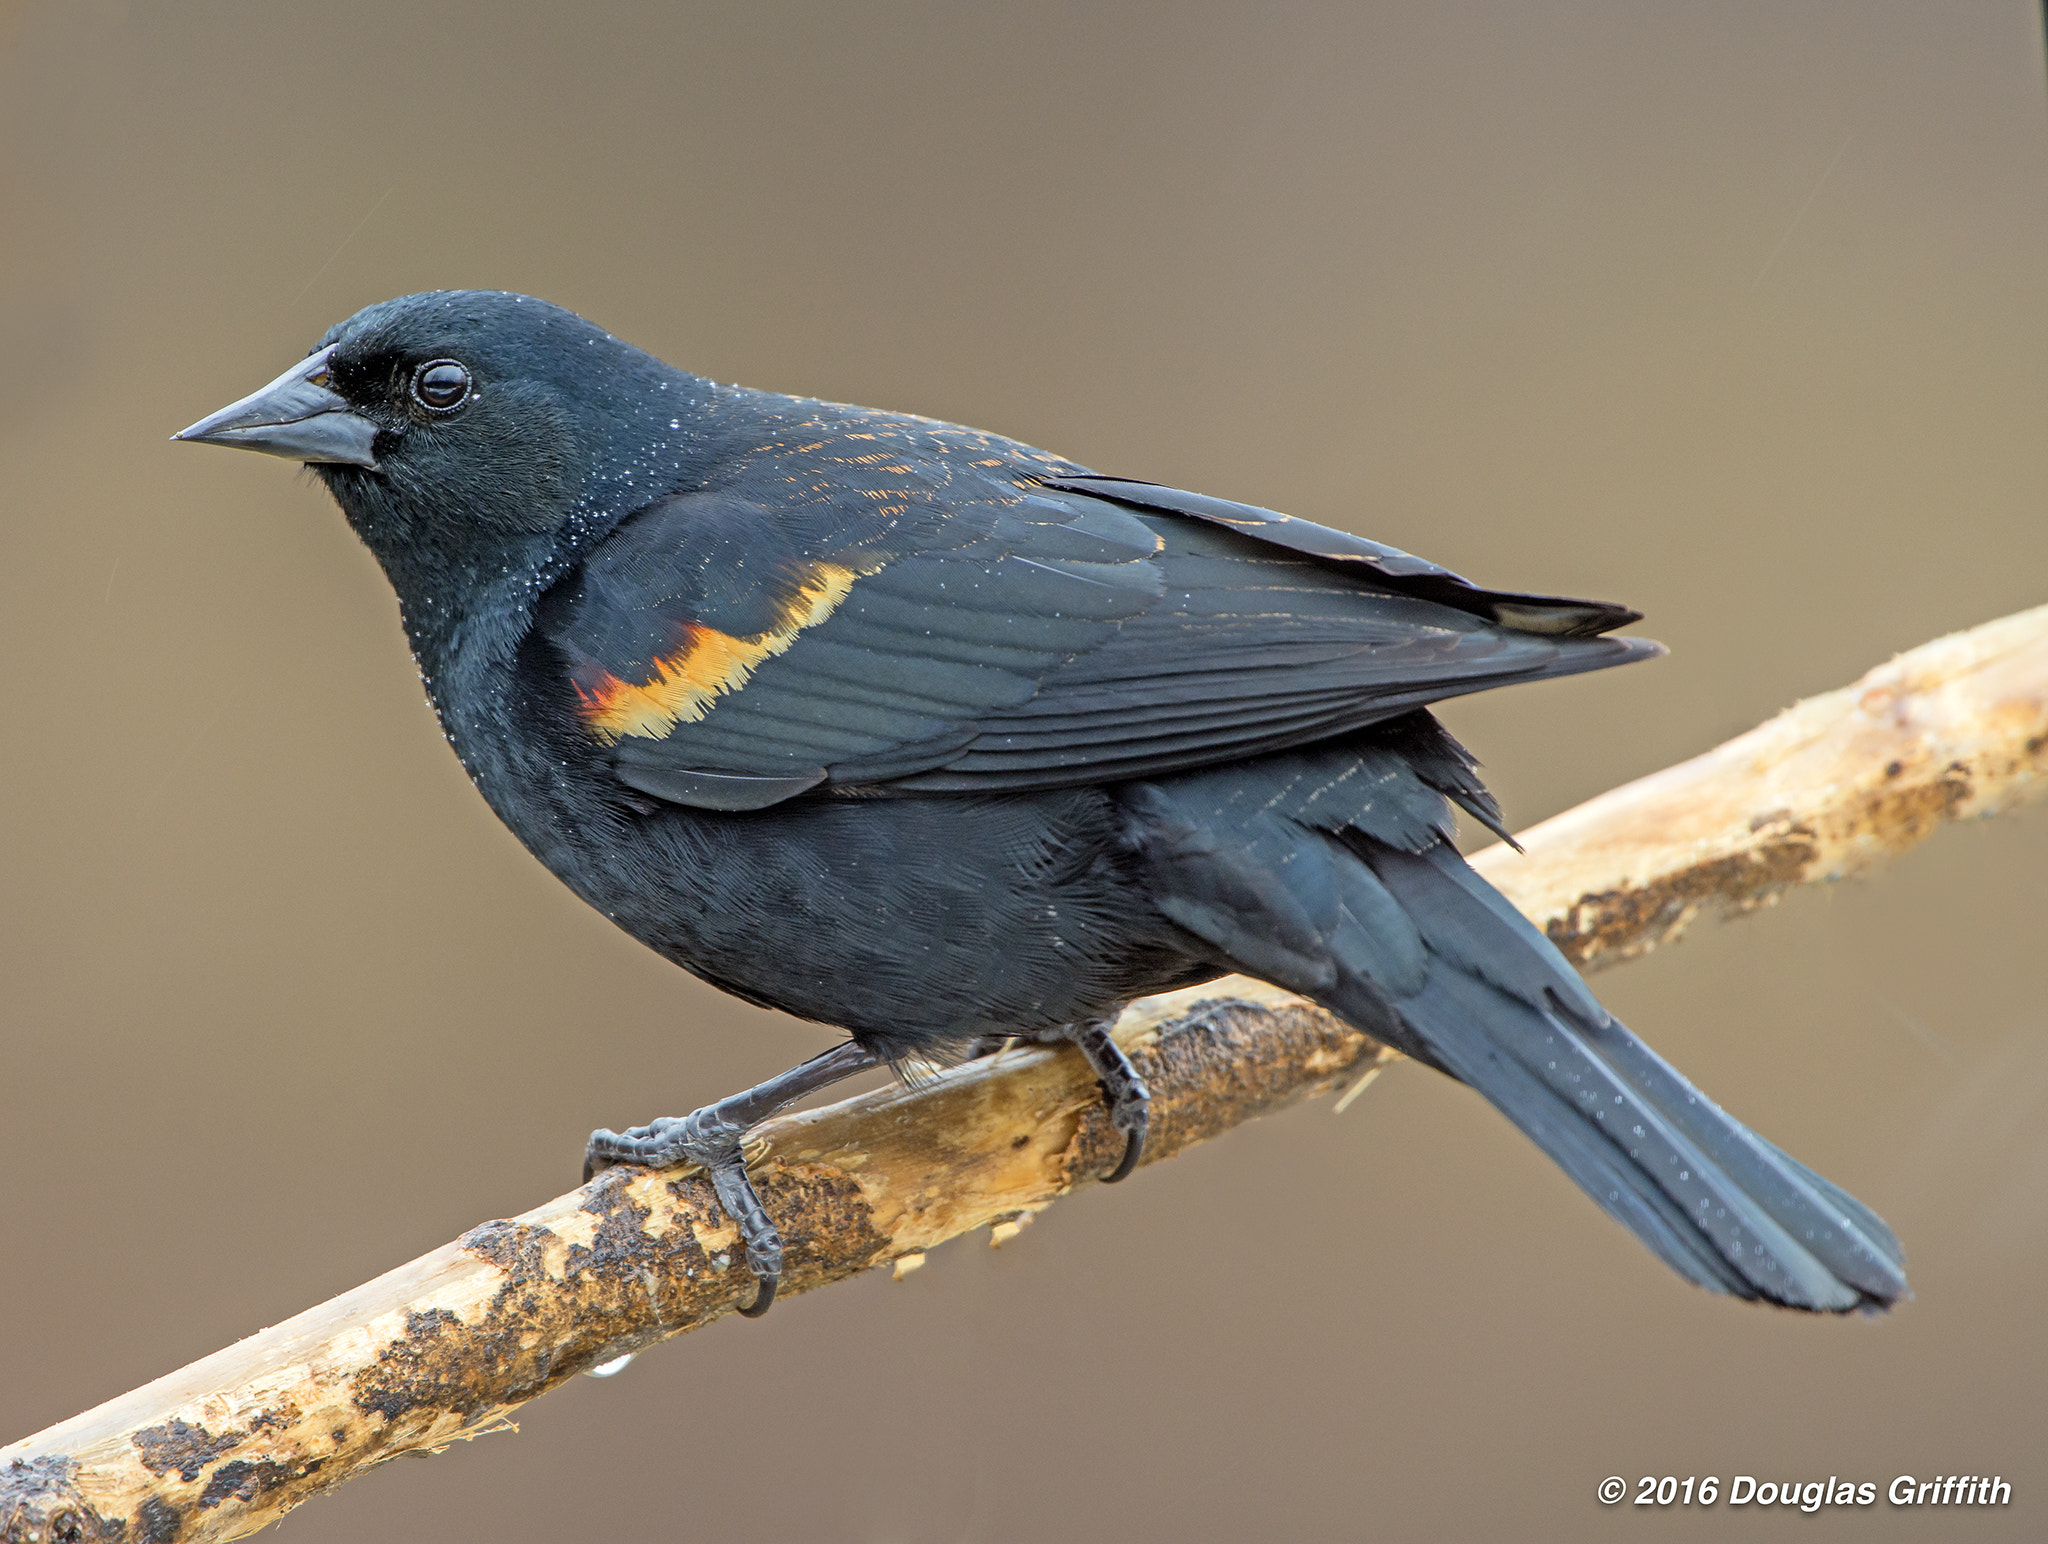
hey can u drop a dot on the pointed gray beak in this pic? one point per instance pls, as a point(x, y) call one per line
point(296, 415)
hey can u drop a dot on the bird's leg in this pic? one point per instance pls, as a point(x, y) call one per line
point(1129, 1100)
point(712, 1136)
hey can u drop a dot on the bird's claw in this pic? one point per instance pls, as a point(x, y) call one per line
point(742, 1204)
point(1123, 1091)
point(704, 1140)
point(1133, 1117)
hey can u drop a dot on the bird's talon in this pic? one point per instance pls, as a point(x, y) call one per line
point(764, 1299)
point(1128, 1101)
point(1134, 1149)
point(1132, 1115)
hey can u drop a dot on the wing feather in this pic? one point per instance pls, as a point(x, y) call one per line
point(997, 627)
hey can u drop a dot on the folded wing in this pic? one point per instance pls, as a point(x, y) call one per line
point(1010, 630)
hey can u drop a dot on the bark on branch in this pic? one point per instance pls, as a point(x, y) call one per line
point(443, 1348)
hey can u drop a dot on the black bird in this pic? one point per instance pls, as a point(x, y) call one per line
point(915, 730)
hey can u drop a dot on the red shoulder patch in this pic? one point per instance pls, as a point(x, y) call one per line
point(683, 686)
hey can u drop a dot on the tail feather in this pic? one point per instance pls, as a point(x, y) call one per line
point(1555, 1123)
point(1502, 1011)
point(1840, 1231)
point(1329, 872)
point(1876, 1232)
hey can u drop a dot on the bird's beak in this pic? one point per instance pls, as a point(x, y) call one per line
point(297, 415)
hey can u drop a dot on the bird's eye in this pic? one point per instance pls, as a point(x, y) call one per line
point(441, 385)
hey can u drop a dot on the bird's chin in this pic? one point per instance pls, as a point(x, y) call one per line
point(343, 474)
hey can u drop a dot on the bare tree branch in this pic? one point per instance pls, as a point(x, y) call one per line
point(1832, 786)
point(441, 1349)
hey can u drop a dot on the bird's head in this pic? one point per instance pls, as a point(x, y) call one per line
point(473, 434)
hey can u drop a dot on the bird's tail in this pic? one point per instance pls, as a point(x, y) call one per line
point(1499, 1009)
point(1332, 884)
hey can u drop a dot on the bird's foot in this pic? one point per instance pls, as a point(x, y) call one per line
point(711, 1140)
point(1129, 1100)
point(715, 1139)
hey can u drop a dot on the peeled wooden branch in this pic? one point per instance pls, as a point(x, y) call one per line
point(441, 1349)
point(1955, 728)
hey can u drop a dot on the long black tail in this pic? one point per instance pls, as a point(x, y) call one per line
point(1501, 1010)
point(1328, 880)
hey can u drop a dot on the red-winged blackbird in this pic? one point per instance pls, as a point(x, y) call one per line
point(912, 729)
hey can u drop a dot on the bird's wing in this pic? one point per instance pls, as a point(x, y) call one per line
point(1010, 629)
point(1390, 567)
point(1269, 632)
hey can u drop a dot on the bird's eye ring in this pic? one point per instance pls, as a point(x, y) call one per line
point(441, 385)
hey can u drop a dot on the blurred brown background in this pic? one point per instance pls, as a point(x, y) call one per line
point(1734, 312)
